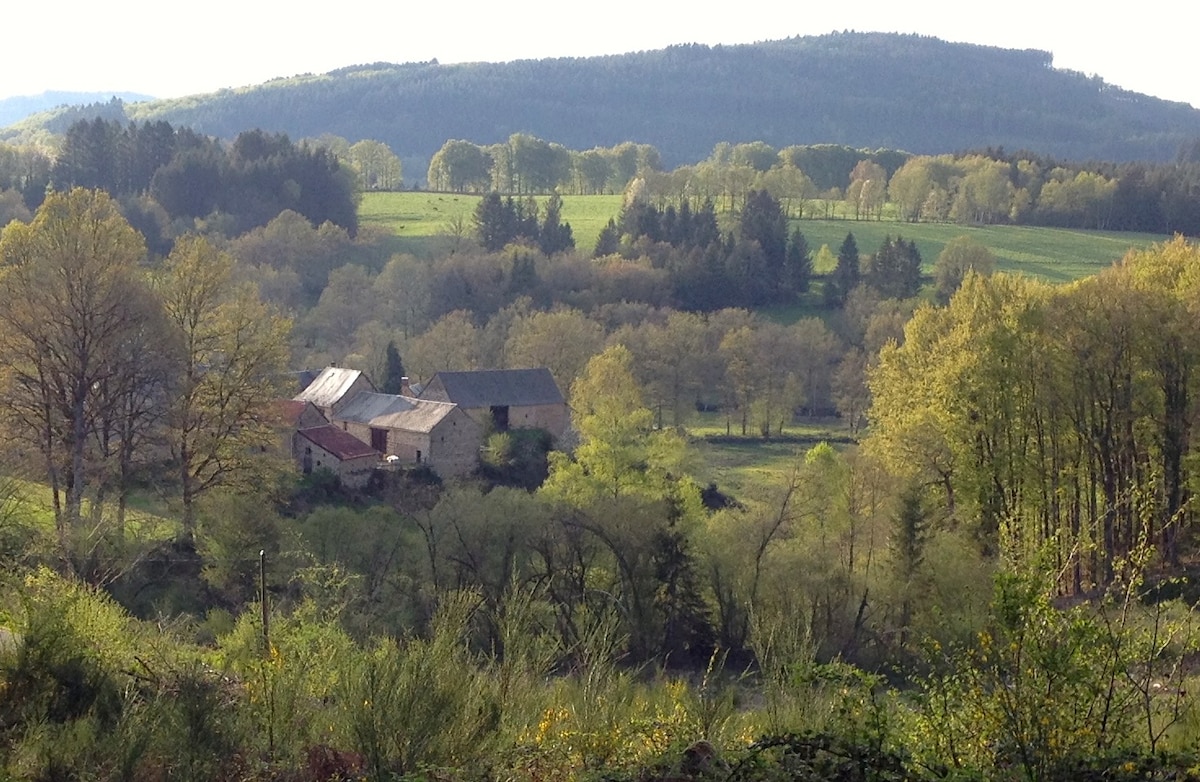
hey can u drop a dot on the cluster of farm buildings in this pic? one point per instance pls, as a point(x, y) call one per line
point(341, 423)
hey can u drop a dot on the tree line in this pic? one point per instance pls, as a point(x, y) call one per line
point(989, 186)
point(118, 373)
point(171, 179)
point(1056, 419)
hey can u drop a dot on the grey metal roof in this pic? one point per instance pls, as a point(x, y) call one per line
point(329, 387)
point(497, 387)
point(387, 411)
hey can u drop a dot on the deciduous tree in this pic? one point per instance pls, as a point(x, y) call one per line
point(234, 359)
point(70, 285)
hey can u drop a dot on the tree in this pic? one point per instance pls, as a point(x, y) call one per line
point(452, 343)
point(798, 265)
point(762, 220)
point(895, 269)
point(234, 359)
point(563, 341)
point(620, 453)
point(845, 276)
point(376, 165)
point(609, 240)
point(627, 484)
point(960, 255)
point(459, 166)
point(910, 187)
point(393, 375)
point(985, 192)
point(72, 306)
point(867, 192)
point(555, 236)
point(593, 169)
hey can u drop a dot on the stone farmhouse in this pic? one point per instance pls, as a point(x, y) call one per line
point(341, 423)
point(415, 431)
point(343, 454)
point(333, 389)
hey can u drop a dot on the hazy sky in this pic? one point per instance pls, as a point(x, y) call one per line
point(172, 49)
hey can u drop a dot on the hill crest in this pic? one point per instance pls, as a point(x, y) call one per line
point(868, 90)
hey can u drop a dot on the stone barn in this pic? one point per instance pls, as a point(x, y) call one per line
point(503, 399)
point(415, 431)
point(334, 388)
point(328, 447)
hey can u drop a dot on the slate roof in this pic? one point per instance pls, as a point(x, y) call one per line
point(341, 444)
point(497, 387)
point(386, 411)
point(329, 387)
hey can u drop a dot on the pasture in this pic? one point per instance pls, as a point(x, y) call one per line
point(425, 223)
point(1052, 254)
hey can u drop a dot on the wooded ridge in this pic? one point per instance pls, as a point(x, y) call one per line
point(908, 92)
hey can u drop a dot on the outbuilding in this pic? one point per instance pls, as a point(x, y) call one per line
point(416, 431)
point(503, 399)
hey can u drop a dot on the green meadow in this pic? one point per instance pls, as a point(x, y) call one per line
point(745, 466)
point(1053, 254)
point(423, 222)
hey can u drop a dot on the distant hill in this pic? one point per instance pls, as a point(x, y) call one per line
point(15, 109)
point(866, 90)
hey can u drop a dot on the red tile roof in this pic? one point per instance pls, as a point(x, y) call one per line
point(342, 445)
point(289, 410)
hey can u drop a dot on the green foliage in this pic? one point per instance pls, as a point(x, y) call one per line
point(422, 703)
point(291, 687)
point(960, 255)
point(619, 453)
point(845, 276)
point(916, 92)
point(1043, 689)
point(231, 531)
point(895, 269)
point(518, 457)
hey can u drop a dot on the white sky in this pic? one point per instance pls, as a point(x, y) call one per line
point(173, 49)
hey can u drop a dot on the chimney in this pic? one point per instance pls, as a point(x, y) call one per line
point(405, 388)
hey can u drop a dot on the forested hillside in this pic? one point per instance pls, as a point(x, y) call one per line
point(905, 92)
point(18, 107)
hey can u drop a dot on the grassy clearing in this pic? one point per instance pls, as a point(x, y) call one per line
point(746, 469)
point(1053, 254)
point(747, 466)
point(423, 221)
point(32, 504)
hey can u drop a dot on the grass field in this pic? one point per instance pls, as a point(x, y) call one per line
point(30, 502)
point(1053, 254)
point(745, 467)
point(422, 221)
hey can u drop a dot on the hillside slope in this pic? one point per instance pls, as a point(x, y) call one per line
point(907, 92)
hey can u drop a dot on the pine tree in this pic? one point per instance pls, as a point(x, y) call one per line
point(762, 221)
point(393, 374)
point(609, 240)
point(555, 235)
point(798, 266)
point(895, 270)
point(846, 275)
point(494, 222)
